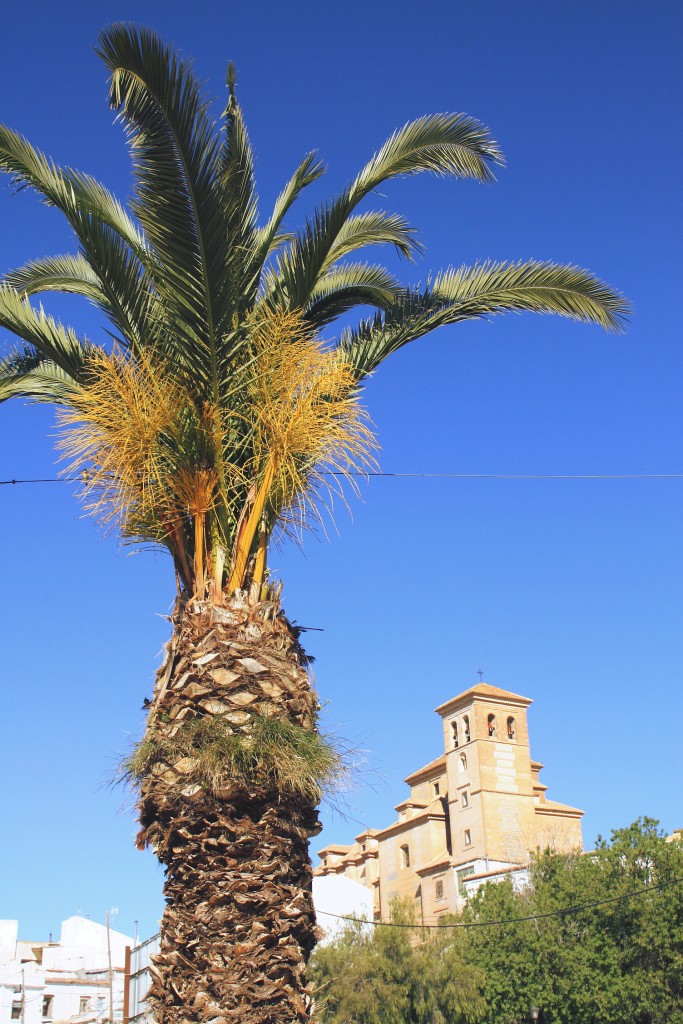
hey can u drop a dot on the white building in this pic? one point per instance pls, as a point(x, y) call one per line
point(337, 898)
point(73, 980)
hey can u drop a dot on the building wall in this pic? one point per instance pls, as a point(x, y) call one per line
point(402, 849)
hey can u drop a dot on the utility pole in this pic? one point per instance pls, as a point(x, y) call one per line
point(111, 973)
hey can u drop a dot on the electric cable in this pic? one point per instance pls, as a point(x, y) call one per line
point(427, 476)
point(513, 920)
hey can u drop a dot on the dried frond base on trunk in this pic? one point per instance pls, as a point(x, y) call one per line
point(239, 924)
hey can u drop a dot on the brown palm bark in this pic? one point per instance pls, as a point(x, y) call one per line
point(239, 923)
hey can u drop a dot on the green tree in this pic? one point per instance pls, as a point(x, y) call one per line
point(209, 424)
point(395, 975)
point(619, 962)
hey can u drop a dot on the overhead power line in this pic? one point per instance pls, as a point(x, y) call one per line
point(426, 476)
point(512, 920)
point(45, 480)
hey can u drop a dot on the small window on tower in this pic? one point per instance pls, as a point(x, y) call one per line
point(511, 728)
point(463, 763)
point(492, 725)
point(438, 889)
point(405, 856)
point(466, 728)
point(467, 837)
point(454, 734)
point(465, 798)
point(436, 787)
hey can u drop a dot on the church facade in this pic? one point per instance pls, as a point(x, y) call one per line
point(474, 814)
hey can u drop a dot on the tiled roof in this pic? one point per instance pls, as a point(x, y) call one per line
point(433, 766)
point(442, 860)
point(552, 807)
point(484, 690)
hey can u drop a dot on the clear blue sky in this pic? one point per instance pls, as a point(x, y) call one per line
point(566, 591)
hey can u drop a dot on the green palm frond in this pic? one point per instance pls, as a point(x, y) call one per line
point(445, 144)
point(374, 228)
point(110, 240)
point(478, 292)
point(67, 273)
point(14, 368)
point(27, 373)
point(539, 287)
point(349, 285)
point(77, 195)
point(308, 171)
point(58, 343)
point(240, 205)
point(178, 199)
point(369, 344)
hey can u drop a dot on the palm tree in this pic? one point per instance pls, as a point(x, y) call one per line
point(212, 416)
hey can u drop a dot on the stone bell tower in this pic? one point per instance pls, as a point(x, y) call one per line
point(492, 794)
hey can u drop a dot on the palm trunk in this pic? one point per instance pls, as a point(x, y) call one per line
point(239, 923)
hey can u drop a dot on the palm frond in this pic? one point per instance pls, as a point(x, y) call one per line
point(67, 273)
point(479, 292)
point(298, 267)
point(177, 162)
point(375, 338)
point(29, 374)
point(77, 195)
point(374, 228)
point(349, 285)
point(59, 344)
point(539, 287)
point(308, 171)
point(111, 242)
point(445, 144)
point(240, 205)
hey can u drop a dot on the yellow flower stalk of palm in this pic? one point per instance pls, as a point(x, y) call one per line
point(126, 430)
point(308, 424)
